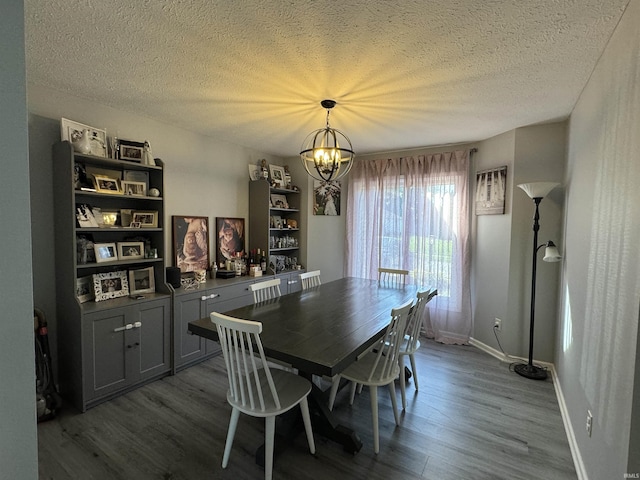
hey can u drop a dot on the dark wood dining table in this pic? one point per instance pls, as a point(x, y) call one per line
point(321, 331)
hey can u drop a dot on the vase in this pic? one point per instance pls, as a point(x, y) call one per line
point(83, 144)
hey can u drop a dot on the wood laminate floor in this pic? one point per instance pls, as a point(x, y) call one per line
point(471, 419)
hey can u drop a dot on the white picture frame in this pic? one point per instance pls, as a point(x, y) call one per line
point(279, 201)
point(277, 175)
point(136, 189)
point(146, 219)
point(137, 176)
point(130, 250)
point(142, 281)
point(254, 172)
point(110, 285)
point(71, 131)
point(105, 252)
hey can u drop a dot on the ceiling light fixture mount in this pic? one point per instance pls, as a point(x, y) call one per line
point(327, 153)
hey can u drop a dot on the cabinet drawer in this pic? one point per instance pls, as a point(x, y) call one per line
point(225, 293)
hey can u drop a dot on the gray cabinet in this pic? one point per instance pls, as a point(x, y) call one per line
point(108, 347)
point(215, 295)
point(290, 282)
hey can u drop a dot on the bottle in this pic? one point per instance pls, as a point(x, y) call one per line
point(263, 261)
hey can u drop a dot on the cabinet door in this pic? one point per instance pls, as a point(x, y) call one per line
point(187, 347)
point(225, 299)
point(290, 282)
point(104, 338)
point(152, 356)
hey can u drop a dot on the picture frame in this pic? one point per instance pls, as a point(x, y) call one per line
point(84, 289)
point(85, 216)
point(105, 184)
point(230, 238)
point(109, 218)
point(190, 243)
point(491, 190)
point(130, 250)
point(135, 225)
point(109, 285)
point(72, 131)
point(146, 219)
point(136, 189)
point(279, 201)
point(254, 172)
point(131, 151)
point(326, 197)
point(137, 176)
point(105, 252)
point(277, 175)
point(142, 281)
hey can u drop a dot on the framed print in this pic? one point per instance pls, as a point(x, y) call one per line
point(148, 219)
point(326, 198)
point(279, 201)
point(142, 281)
point(191, 243)
point(138, 189)
point(84, 289)
point(490, 191)
point(130, 250)
point(137, 176)
point(229, 238)
point(72, 132)
point(106, 184)
point(277, 175)
point(131, 151)
point(105, 252)
point(110, 285)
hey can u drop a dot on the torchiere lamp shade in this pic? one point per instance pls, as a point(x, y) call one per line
point(538, 189)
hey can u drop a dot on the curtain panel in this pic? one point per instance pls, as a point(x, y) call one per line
point(413, 213)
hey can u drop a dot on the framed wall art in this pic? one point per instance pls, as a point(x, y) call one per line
point(191, 243)
point(110, 285)
point(72, 132)
point(491, 186)
point(105, 252)
point(142, 281)
point(326, 198)
point(229, 238)
point(146, 219)
point(130, 250)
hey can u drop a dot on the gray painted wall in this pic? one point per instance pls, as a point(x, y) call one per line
point(18, 441)
point(597, 343)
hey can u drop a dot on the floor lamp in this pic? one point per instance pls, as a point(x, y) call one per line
point(537, 191)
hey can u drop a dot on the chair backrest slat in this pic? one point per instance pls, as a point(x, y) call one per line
point(239, 340)
point(392, 276)
point(266, 290)
point(310, 279)
point(414, 321)
point(389, 346)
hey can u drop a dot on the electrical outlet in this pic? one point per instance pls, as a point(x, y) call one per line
point(497, 324)
point(589, 422)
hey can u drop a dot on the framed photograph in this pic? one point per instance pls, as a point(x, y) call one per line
point(130, 250)
point(106, 184)
point(131, 151)
point(279, 201)
point(229, 238)
point(142, 281)
point(85, 216)
point(110, 285)
point(72, 132)
point(109, 218)
point(490, 191)
point(146, 219)
point(138, 189)
point(326, 198)
point(84, 289)
point(277, 175)
point(254, 172)
point(105, 252)
point(135, 225)
point(137, 176)
point(191, 243)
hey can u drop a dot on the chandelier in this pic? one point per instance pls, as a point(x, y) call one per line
point(327, 153)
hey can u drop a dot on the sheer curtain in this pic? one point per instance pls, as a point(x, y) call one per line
point(413, 213)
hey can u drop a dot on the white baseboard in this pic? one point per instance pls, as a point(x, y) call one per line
point(564, 413)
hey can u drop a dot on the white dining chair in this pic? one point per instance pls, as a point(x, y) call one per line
point(379, 367)
point(254, 389)
point(266, 290)
point(310, 279)
point(392, 276)
point(411, 342)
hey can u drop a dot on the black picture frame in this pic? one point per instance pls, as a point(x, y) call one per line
point(131, 151)
point(190, 243)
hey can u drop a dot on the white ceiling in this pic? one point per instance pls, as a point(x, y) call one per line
point(407, 73)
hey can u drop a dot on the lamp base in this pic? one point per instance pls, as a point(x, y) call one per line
point(530, 371)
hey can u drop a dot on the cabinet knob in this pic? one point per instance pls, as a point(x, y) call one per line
point(137, 324)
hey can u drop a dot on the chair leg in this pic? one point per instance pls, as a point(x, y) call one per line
point(413, 369)
point(306, 418)
point(231, 432)
point(394, 403)
point(374, 416)
point(352, 394)
point(269, 434)
point(402, 382)
point(335, 383)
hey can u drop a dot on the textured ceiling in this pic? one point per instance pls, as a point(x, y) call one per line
point(404, 73)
